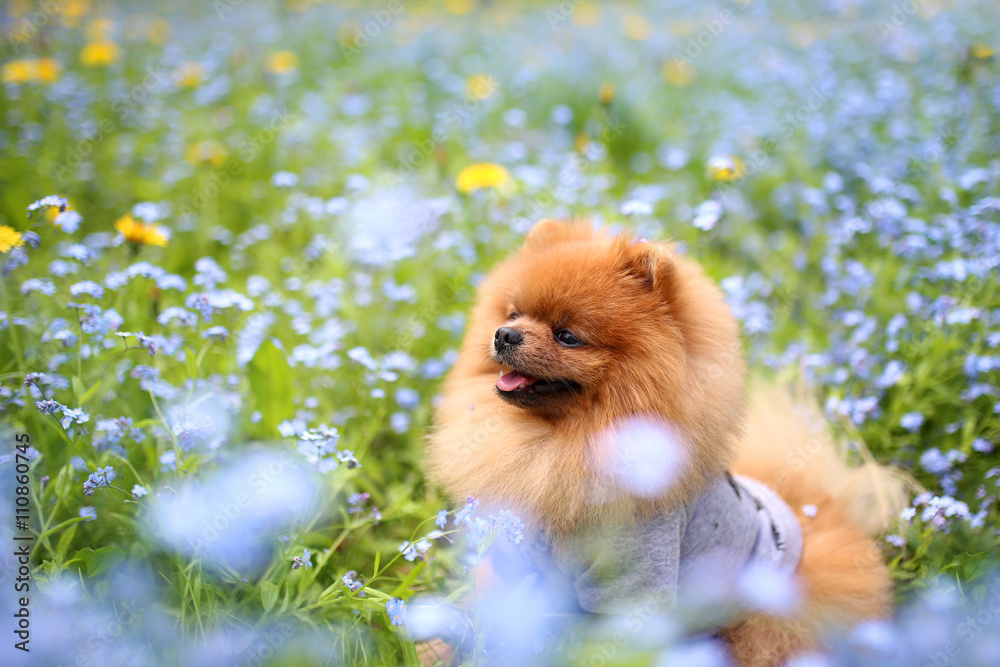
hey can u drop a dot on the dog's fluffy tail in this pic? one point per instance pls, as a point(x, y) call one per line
point(789, 446)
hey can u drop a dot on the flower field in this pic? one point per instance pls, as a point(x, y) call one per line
point(238, 241)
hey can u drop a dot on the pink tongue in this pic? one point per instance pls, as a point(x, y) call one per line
point(511, 381)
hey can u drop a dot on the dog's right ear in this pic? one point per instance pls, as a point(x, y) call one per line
point(549, 231)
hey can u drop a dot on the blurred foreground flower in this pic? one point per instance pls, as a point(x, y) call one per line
point(189, 74)
point(725, 168)
point(28, 70)
point(480, 176)
point(99, 54)
point(282, 62)
point(10, 238)
point(139, 233)
point(481, 86)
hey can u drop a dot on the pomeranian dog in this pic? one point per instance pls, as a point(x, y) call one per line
point(582, 332)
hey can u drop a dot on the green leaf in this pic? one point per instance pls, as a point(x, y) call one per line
point(270, 379)
point(66, 538)
point(268, 594)
point(378, 556)
point(410, 578)
point(92, 563)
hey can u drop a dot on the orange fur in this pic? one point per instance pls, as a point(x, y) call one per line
point(660, 341)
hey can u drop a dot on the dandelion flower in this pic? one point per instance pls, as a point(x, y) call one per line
point(725, 168)
point(637, 27)
point(460, 7)
point(982, 51)
point(27, 70)
point(140, 233)
point(189, 74)
point(483, 175)
point(18, 71)
point(587, 14)
point(481, 86)
point(100, 54)
point(282, 62)
point(10, 238)
point(607, 93)
point(678, 72)
point(210, 152)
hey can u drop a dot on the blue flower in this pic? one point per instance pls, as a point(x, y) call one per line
point(68, 221)
point(464, 515)
point(46, 202)
point(302, 561)
point(139, 491)
point(396, 609)
point(88, 513)
point(70, 417)
point(356, 502)
point(912, 421)
point(442, 519)
point(88, 287)
point(98, 480)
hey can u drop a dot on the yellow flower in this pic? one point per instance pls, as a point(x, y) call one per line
point(483, 175)
point(9, 238)
point(74, 10)
point(607, 93)
point(189, 74)
point(678, 72)
point(52, 211)
point(100, 54)
point(460, 7)
point(158, 31)
point(211, 152)
point(481, 86)
point(982, 51)
point(725, 168)
point(282, 62)
point(19, 71)
point(140, 233)
point(587, 14)
point(636, 27)
point(45, 70)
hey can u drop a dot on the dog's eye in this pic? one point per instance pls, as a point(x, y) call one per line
point(514, 315)
point(566, 337)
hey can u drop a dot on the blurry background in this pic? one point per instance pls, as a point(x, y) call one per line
point(292, 203)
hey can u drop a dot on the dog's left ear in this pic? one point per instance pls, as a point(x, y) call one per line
point(650, 265)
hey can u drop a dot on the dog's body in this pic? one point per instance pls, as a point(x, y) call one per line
point(580, 331)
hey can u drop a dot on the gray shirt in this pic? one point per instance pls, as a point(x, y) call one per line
point(695, 552)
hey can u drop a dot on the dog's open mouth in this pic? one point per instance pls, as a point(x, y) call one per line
point(518, 386)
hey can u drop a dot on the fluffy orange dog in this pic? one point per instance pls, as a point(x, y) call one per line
point(580, 330)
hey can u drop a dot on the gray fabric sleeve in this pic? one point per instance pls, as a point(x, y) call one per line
point(631, 565)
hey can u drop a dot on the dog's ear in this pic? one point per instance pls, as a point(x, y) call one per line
point(648, 264)
point(549, 231)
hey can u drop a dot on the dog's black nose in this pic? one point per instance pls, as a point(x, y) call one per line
point(507, 337)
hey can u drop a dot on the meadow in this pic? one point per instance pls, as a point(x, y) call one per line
point(239, 240)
